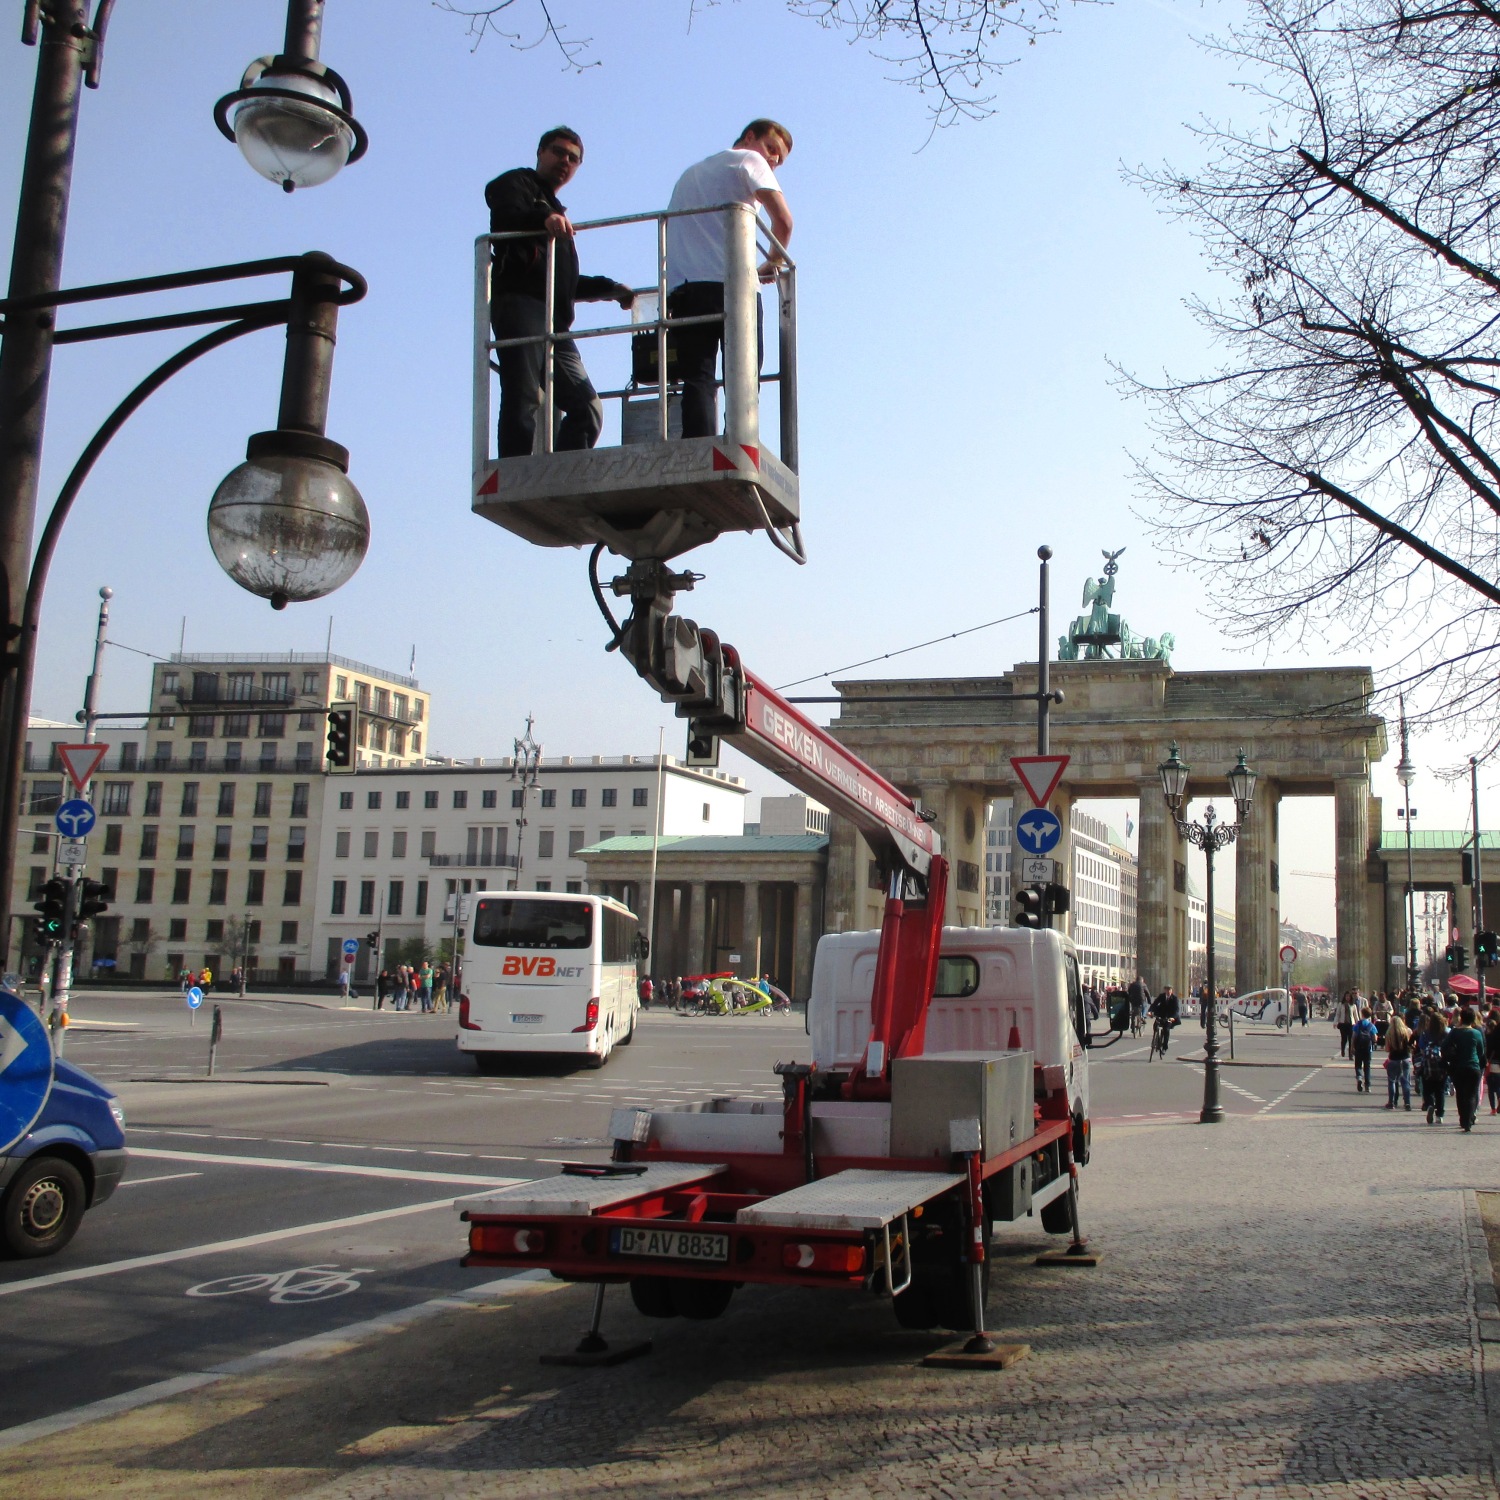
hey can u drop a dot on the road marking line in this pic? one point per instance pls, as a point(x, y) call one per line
point(319, 1344)
point(1277, 1100)
point(292, 1164)
point(167, 1177)
point(219, 1247)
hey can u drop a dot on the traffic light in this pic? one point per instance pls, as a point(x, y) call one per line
point(1487, 948)
point(1467, 861)
point(93, 898)
point(1458, 958)
point(372, 942)
point(342, 724)
point(1029, 912)
point(1058, 899)
point(53, 907)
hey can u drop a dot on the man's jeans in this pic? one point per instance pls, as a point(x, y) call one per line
point(698, 352)
point(514, 316)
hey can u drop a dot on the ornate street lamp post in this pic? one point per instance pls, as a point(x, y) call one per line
point(526, 768)
point(1210, 836)
point(1406, 773)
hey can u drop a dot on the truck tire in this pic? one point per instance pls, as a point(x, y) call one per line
point(43, 1209)
point(951, 1300)
point(699, 1300)
point(1055, 1216)
point(913, 1307)
point(652, 1296)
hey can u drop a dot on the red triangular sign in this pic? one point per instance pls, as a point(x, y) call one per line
point(1039, 774)
point(81, 761)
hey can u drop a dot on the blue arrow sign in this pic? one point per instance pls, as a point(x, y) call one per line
point(194, 997)
point(75, 817)
point(25, 1068)
point(351, 946)
point(1038, 831)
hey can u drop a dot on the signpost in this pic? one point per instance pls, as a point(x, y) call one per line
point(26, 1066)
point(1038, 871)
point(1288, 958)
point(72, 852)
point(1038, 831)
point(1039, 774)
point(75, 818)
point(81, 761)
point(351, 948)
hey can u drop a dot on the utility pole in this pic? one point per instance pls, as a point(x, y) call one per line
point(661, 771)
point(1043, 656)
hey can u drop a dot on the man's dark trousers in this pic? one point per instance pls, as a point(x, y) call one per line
point(515, 315)
point(698, 352)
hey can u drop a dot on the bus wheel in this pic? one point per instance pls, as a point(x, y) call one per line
point(489, 1063)
point(652, 1296)
point(629, 1036)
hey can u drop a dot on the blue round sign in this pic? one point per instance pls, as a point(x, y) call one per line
point(1038, 831)
point(25, 1068)
point(351, 946)
point(194, 997)
point(75, 817)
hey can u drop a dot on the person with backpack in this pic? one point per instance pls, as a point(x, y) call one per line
point(1431, 1069)
point(1463, 1053)
point(1361, 1048)
point(1492, 1058)
point(1398, 1050)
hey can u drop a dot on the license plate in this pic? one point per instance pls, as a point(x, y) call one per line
point(670, 1244)
point(521, 1020)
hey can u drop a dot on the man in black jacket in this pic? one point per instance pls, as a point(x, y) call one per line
point(526, 199)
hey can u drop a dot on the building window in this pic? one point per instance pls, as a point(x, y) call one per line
point(185, 841)
point(518, 797)
point(288, 932)
point(340, 687)
point(638, 796)
point(169, 685)
point(372, 800)
point(707, 812)
point(200, 725)
point(429, 842)
point(346, 801)
point(267, 756)
point(177, 930)
point(429, 799)
point(605, 834)
point(487, 797)
point(309, 682)
point(575, 842)
point(608, 797)
point(218, 887)
point(549, 796)
point(296, 844)
point(213, 930)
point(416, 742)
point(300, 791)
point(291, 891)
point(36, 878)
point(398, 844)
point(41, 839)
point(116, 801)
point(304, 758)
point(460, 799)
point(153, 799)
point(421, 907)
point(544, 844)
point(255, 888)
point(372, 843)
point(148, 841)
point(367, 898)
point(272, 727)
point(580, 796)
point(113, 833)
point(544, 885)
point(221, 842)
point(278, 686)
point(182, 888)
point(394, 898)
point(237, 726)
point(190, 799)
point(145, 886)
point(234, 755)
point(45, 796)
point(403, 801)
point(226, 799)
point(340, 896)
point(341, 844)
point(573, 887)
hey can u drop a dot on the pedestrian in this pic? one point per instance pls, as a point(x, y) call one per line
point(424, 986)
point(1433, 1070)
point(413, 986)
point(646, 990)
point(1398, 1050)
point(1463, 1052)
point(206, 980)
point(696, 255)
point(382, 989)
point(1345, 1016)
point(1492, 1059)
point(526, 199)
point(345, 990)
point(1380, 1011)
point(1361, 1048)
point(440, 987)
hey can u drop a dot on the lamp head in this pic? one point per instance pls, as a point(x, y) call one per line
point(1242, 785)
point(1174, 778)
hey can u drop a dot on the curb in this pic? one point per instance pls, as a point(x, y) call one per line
point(1486, 1325)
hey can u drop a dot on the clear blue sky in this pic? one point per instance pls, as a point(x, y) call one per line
point(960, 298)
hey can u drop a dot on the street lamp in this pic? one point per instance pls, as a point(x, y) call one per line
point(525, 768)
point(293, 115)
point(1210, 836)
point(1406, 773)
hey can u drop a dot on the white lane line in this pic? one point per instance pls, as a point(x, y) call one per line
point(1277, 1100)
point(166, 1177)
point(291, 1164)
point(334, 1341)
point(219, 1247)
point(1234, 1088)
point(1120, 1056)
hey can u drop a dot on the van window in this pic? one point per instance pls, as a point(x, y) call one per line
point(512, 923)
point(956, 977)
point(1076, 1007)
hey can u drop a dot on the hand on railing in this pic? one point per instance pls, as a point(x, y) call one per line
point(558, 225)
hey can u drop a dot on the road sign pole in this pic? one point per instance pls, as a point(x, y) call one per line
point(62, 990)
point(213, 1040)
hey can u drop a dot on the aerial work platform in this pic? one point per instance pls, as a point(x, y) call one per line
point(653, 495)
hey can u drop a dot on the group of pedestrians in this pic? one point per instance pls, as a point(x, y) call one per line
point(421, 987)
point(1440, 1048)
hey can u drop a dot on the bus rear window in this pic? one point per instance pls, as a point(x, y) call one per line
point(515, 923)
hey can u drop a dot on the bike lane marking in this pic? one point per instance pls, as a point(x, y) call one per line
point(295, 1164)
point(165, 1177)
point(218, 1247)
point(1277, 1100)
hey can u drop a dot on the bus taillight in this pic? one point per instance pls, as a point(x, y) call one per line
point(463, 1015)
point(590, 1016)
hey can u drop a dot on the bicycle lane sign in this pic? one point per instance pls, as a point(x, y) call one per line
point(284, 1288)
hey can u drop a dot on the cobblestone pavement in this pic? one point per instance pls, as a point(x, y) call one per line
point(1285, 1308)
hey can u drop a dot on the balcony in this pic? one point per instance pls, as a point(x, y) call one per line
point(155, 765)
point(222, 695)
point(472, 861)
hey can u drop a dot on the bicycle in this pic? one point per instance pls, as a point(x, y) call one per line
point(1161, 1035)
point(320, 1282)
point(1137, 1022)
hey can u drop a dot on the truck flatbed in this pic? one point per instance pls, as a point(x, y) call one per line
point(579, 1194)
point(855, 1199)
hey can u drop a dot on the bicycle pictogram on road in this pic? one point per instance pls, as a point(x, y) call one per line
point(300, 1284)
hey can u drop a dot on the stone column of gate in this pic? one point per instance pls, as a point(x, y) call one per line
point(1158, 839)
point(750, 964)
point(697, 920)
point(802, 951)
point(1351, 848)
point(1254, 913)
point(848, 857)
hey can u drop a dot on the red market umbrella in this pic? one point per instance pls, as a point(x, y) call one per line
point(1466, 984)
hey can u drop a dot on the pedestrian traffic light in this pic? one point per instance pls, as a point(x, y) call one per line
point(1058, 899)
point(1487, 948)
point(53, 907)
point(1458, 958)
point(93, 898)
point(372, 942)
point(342, 725)
point(1467, 861)
point(1029, 911)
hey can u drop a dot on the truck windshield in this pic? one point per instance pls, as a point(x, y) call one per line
point(514, 923)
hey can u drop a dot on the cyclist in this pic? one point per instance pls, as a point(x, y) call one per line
point(1166, 1009)
point(1139, 996)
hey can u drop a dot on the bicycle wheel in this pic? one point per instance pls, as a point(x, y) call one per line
point(227, 1286)
point(324, 1283)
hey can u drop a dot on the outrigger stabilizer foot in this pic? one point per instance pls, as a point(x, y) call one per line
point(1078, 1252)
point(592, 1347)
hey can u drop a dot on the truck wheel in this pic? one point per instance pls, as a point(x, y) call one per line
point(700, 1300)
point(1055, 1216)
point(652, 1296)
point(950, 1296)
point(43, 1208)
point(913, 1307)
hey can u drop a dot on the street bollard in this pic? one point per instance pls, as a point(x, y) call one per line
point(213, 1039)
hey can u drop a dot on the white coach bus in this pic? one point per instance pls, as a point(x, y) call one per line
point(548, 973)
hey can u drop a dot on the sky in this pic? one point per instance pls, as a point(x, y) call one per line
point(962, 293)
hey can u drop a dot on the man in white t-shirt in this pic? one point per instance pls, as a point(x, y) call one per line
point(695, 255)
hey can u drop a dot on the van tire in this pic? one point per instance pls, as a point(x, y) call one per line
point(489, 1063)
point(652, 1296)
point(43, 1208)
point(699, 1300)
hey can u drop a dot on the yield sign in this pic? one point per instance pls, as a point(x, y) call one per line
point(81, 761)
point(1039, 774)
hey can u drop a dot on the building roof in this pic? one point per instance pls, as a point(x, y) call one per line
point(750, 843)
point(1435, 838)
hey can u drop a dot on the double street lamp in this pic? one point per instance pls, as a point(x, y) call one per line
point(1210, 835)
point(287, 524)
point(1406, 773)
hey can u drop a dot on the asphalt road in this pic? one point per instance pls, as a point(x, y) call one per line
point(319, 1195)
